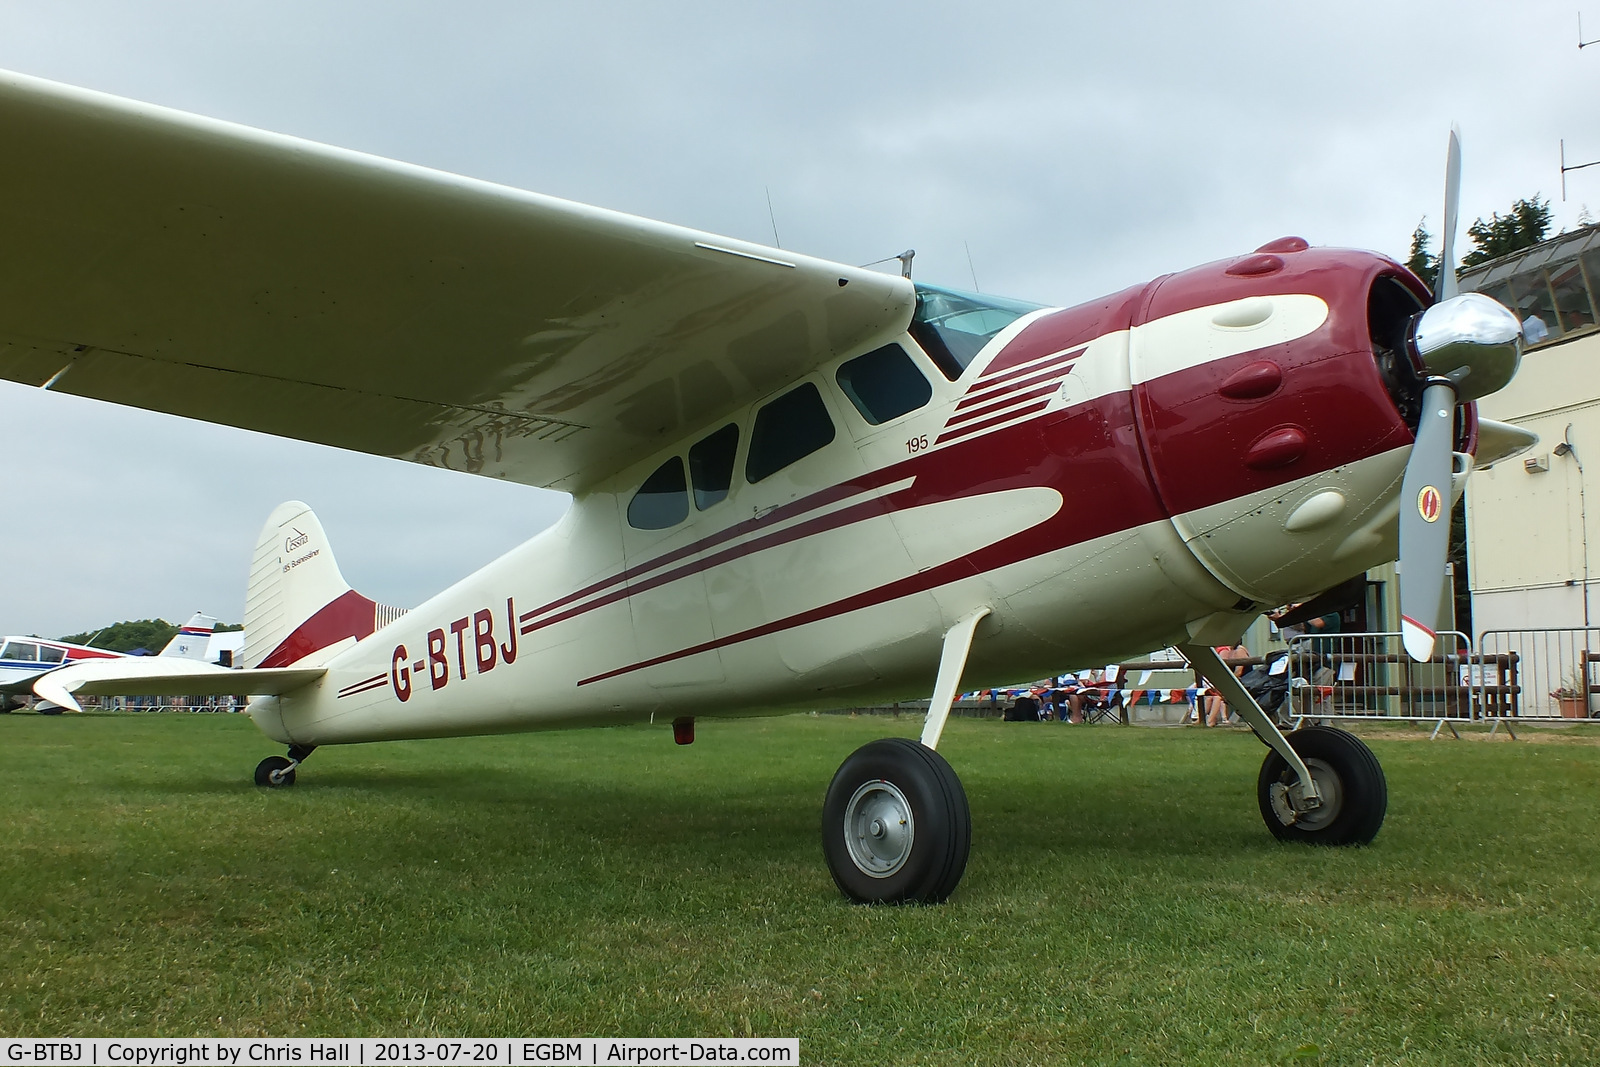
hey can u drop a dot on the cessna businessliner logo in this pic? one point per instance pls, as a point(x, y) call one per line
point(297, 540)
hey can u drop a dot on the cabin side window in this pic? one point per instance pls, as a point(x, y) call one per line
point(711, 466)
point(51, 655)
point(663, 499)
point(786, 430)
point(20, 652)
point(883, 384)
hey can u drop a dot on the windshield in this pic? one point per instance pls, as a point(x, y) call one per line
point(953, 326)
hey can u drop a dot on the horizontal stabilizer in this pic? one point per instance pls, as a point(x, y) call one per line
point(171, 677)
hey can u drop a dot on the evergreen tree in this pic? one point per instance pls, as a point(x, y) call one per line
point(1421, 262)
point(1523, 227)
point(151, 634)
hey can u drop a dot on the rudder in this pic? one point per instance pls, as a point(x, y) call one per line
point(297, 603)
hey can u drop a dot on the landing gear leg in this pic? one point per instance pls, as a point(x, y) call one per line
point(277, 772)
point(1318, 784)
point(896, 827)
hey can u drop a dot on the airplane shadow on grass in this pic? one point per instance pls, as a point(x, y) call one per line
point(522, 814)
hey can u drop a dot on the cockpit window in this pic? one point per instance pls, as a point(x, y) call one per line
point(663, 499)
point(953, 326)
point(20, 652)
point(51, 655)
point(883, 384)
point(711, 466)
point(786, 430)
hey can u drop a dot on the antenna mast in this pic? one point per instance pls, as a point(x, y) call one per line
point(1582, 44)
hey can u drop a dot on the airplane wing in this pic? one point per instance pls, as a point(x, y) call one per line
point(219, 272)
point(170, 677)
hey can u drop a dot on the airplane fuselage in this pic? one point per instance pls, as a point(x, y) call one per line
point(1160, 465)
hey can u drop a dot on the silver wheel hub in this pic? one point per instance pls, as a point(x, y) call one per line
point(1329, 787)
point(878, 828)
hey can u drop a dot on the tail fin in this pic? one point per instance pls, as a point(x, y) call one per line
point(298, 607)
point(193, 639)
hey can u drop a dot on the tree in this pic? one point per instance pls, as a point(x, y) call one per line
point(1523, 227)
point(151, 634)
point(1421, 262)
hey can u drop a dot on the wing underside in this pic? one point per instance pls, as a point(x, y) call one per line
point(209, 270)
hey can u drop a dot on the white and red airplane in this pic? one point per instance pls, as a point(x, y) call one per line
point(794, 482)
point(24, 660)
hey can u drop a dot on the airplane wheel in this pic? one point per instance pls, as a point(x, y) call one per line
point(48, 709)
point(895, 826)
point(275, 772)
point(1355, 795)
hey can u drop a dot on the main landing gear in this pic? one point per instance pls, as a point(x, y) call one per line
point(1317, 785)
point(896, 828)
point(1349, 781)
point(277, 772)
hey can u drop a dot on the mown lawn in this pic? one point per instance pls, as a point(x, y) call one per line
point(1123, 903)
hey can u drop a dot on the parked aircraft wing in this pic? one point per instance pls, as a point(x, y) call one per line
point(197, 267)
point(169, 677)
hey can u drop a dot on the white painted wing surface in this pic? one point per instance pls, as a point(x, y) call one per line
point(219, 272)
point(166, 677)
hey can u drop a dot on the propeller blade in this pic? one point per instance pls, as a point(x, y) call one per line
point(1447, 287)
point(1425, 521)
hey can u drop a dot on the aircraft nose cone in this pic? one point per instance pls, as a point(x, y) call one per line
point(1472, 340)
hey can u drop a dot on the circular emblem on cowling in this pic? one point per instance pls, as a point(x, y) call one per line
point(1430, 505)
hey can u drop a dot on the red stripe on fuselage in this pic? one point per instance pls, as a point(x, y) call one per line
point(1009, 400)
point(1020, 379)
point(1333, 381)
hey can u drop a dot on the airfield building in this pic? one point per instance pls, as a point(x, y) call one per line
point(1528, 517)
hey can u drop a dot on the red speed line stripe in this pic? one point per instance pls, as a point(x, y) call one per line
point(819, 499)
point(1066, 356)
point(979, 396)
point(365, 687)
point(1002, 404)
point(951, 435)
point(375, 679)
point(866, 509)
point(916, 583)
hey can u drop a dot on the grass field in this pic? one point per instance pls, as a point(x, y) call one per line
point(1124, 902)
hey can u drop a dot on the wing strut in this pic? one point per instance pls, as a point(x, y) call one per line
point(952, 661)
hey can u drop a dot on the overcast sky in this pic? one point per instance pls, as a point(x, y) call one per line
point(1073, 148)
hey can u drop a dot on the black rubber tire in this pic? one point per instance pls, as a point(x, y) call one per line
point(265, 768)
point(53, 709)
point(1362, 794)
point(940, 818)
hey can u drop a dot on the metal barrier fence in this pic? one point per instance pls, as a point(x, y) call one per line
point(203, 705)
point(1550, 673)
point(1370, 676)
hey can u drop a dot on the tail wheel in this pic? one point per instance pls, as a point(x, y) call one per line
point(1355, 795)
point(896, 828)
point(275, 772)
